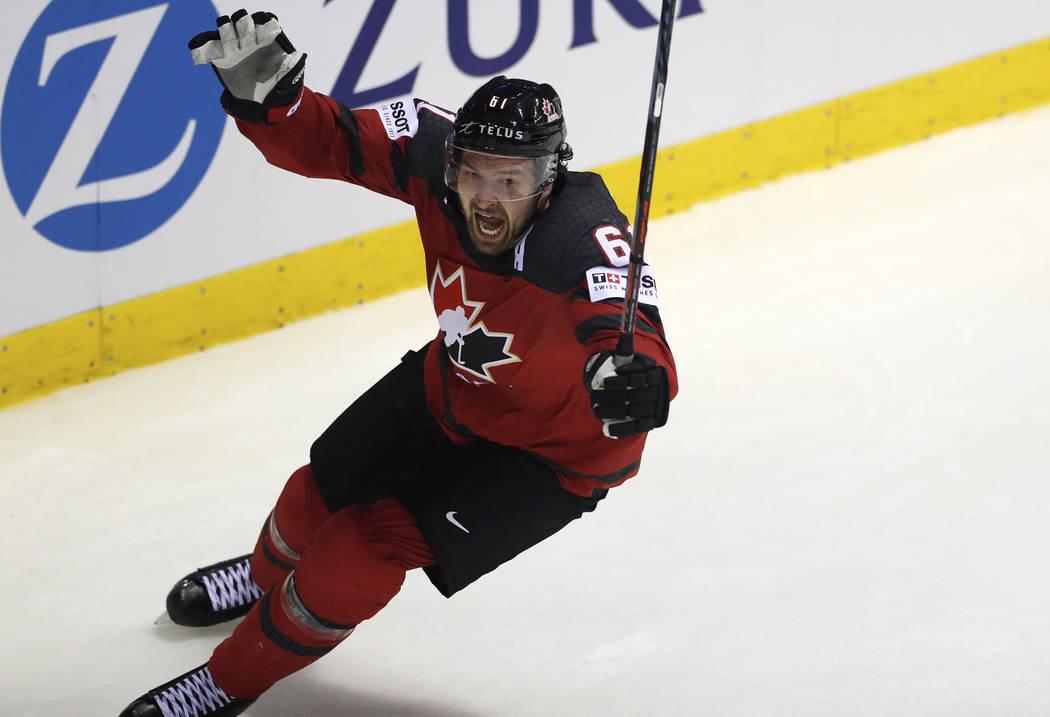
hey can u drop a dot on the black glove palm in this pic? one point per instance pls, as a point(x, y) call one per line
point(629, 399)
point(256, 63)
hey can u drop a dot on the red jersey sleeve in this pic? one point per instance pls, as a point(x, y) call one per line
point(323, 139)
point(598, 326)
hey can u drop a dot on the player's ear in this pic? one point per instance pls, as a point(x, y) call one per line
point(545, 199)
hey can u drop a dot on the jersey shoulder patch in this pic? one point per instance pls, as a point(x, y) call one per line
point(608, 282)
point(582, 228)
point(399, 119)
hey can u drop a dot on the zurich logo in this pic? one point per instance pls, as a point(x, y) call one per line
point(106, 129)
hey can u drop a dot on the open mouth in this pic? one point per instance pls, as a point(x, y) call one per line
point(489, 226)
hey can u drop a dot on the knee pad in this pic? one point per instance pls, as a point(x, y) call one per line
point(357, 561)
point(290, 527)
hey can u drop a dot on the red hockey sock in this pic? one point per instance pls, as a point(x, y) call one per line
point(291, 525)
point(354, 566)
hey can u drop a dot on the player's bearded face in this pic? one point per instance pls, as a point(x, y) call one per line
point(497, 199)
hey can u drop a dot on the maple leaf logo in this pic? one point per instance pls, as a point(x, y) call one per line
point(550, 112)
point(469, 344)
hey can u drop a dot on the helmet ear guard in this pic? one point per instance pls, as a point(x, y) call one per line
point(564, 156)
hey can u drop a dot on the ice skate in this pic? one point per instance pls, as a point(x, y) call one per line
point(191, 695)
point(214, 594)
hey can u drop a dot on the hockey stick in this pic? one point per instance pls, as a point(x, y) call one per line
point(625, 344)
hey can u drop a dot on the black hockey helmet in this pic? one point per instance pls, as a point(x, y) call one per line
point(510, 118)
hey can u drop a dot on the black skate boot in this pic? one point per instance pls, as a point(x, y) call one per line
point(191, 695)
point(214, 594)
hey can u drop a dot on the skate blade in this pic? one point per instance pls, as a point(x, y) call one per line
point(164, 619)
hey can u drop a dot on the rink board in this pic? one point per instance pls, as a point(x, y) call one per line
point(192, 317)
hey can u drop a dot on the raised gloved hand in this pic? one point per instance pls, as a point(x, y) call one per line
point(629, 399)
point(260, 69)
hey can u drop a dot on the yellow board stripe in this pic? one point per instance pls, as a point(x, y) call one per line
point(839, 130)
point(193, 317)
point(189, 318)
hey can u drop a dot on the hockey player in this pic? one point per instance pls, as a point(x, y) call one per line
point(512, 422)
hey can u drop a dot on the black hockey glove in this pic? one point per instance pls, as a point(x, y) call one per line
point(261, 71)
point(628, 399)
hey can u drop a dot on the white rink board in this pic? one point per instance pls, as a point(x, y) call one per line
point(736, 62)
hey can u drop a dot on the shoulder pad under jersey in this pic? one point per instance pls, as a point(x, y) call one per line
point(582, 228)
point(426, 152)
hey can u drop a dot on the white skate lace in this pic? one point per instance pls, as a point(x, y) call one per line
point(231, 586)
point(195, 695)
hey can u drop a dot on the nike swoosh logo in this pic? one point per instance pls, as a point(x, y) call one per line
point(451, 516)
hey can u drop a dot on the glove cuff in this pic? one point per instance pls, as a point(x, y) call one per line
point(664, 405)
point(258, 113)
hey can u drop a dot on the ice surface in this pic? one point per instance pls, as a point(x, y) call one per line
point(848, 514)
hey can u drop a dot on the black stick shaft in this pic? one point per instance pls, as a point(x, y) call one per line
point(625, 345)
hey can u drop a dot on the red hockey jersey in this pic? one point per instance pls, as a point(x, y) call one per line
point(516, 329)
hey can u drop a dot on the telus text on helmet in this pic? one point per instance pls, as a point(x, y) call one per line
point(346, 87)
point(497, 131)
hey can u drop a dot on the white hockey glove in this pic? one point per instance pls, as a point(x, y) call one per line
point(629, 399)
point(261, 71)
